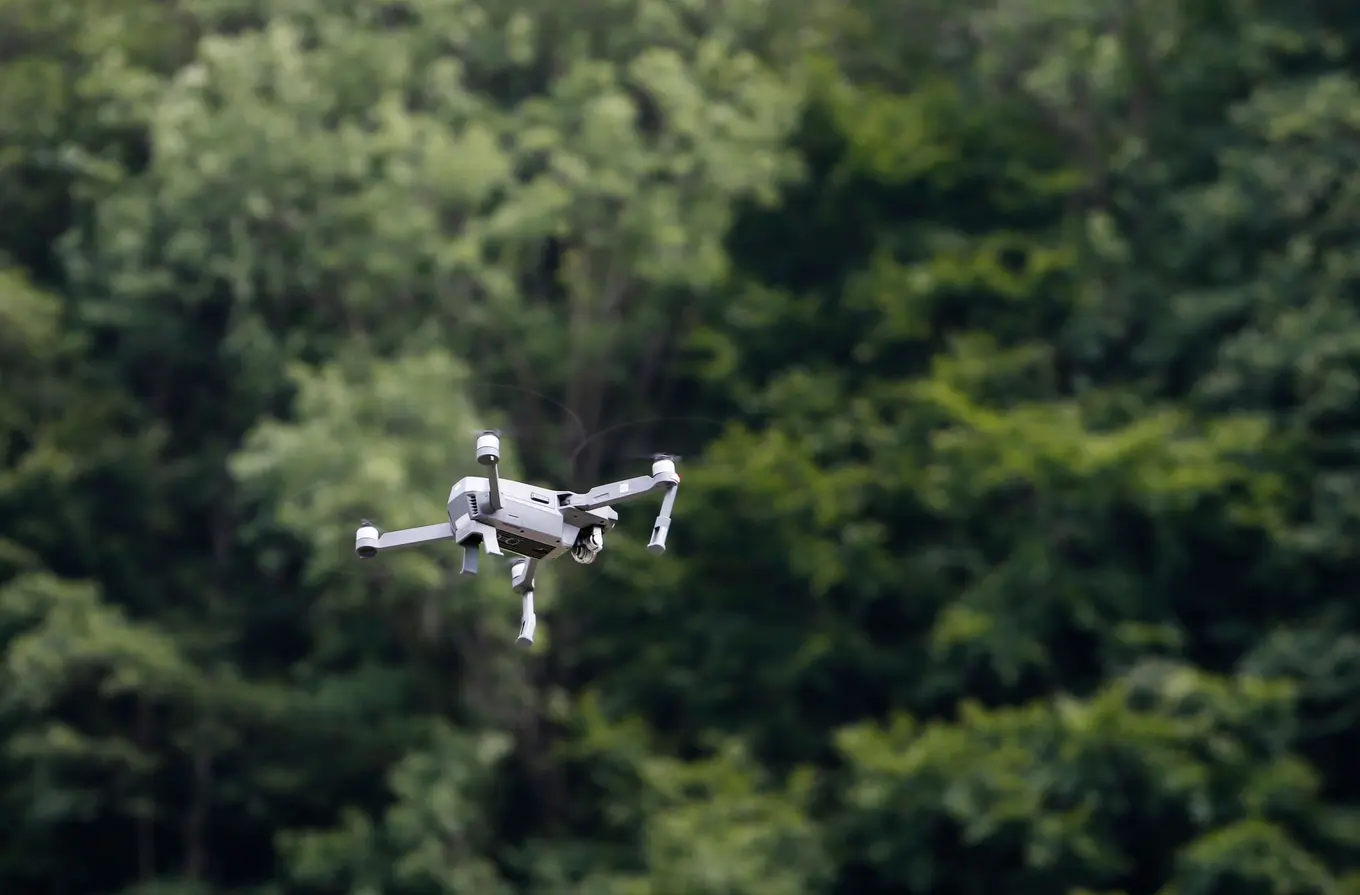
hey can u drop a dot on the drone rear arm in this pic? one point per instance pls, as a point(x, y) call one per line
point(489, 455)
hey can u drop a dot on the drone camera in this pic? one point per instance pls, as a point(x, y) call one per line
point(488, 449)
point(366, 541)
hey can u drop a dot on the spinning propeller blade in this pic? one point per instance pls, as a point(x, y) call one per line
point(654, 457)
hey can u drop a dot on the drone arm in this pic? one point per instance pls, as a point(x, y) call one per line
point(402, 538)
point(489, 455)
point(618, 492)
point(662, 526)
point(493, 477)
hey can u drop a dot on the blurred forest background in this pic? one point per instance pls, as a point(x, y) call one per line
point(1014, 348)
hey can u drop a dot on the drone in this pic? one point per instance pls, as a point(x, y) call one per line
point(531, 523)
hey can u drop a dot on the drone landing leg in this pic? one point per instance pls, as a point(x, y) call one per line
point(522, 580)
point(662, 526)
point(474, 537)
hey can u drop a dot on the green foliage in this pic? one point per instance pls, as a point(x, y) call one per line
point(1021, 559)
point(1161, 756)
point(434, 837)
point(549, 208)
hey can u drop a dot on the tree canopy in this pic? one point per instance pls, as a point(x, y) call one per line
point(1013, 350)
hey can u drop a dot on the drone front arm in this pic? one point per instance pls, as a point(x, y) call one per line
point(369, 543)
point(619, 492)
point(663, 479)
point(662, 526)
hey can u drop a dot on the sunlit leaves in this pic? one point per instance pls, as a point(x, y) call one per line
point(378, 440)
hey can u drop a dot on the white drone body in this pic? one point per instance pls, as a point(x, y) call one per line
point(532, 524)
